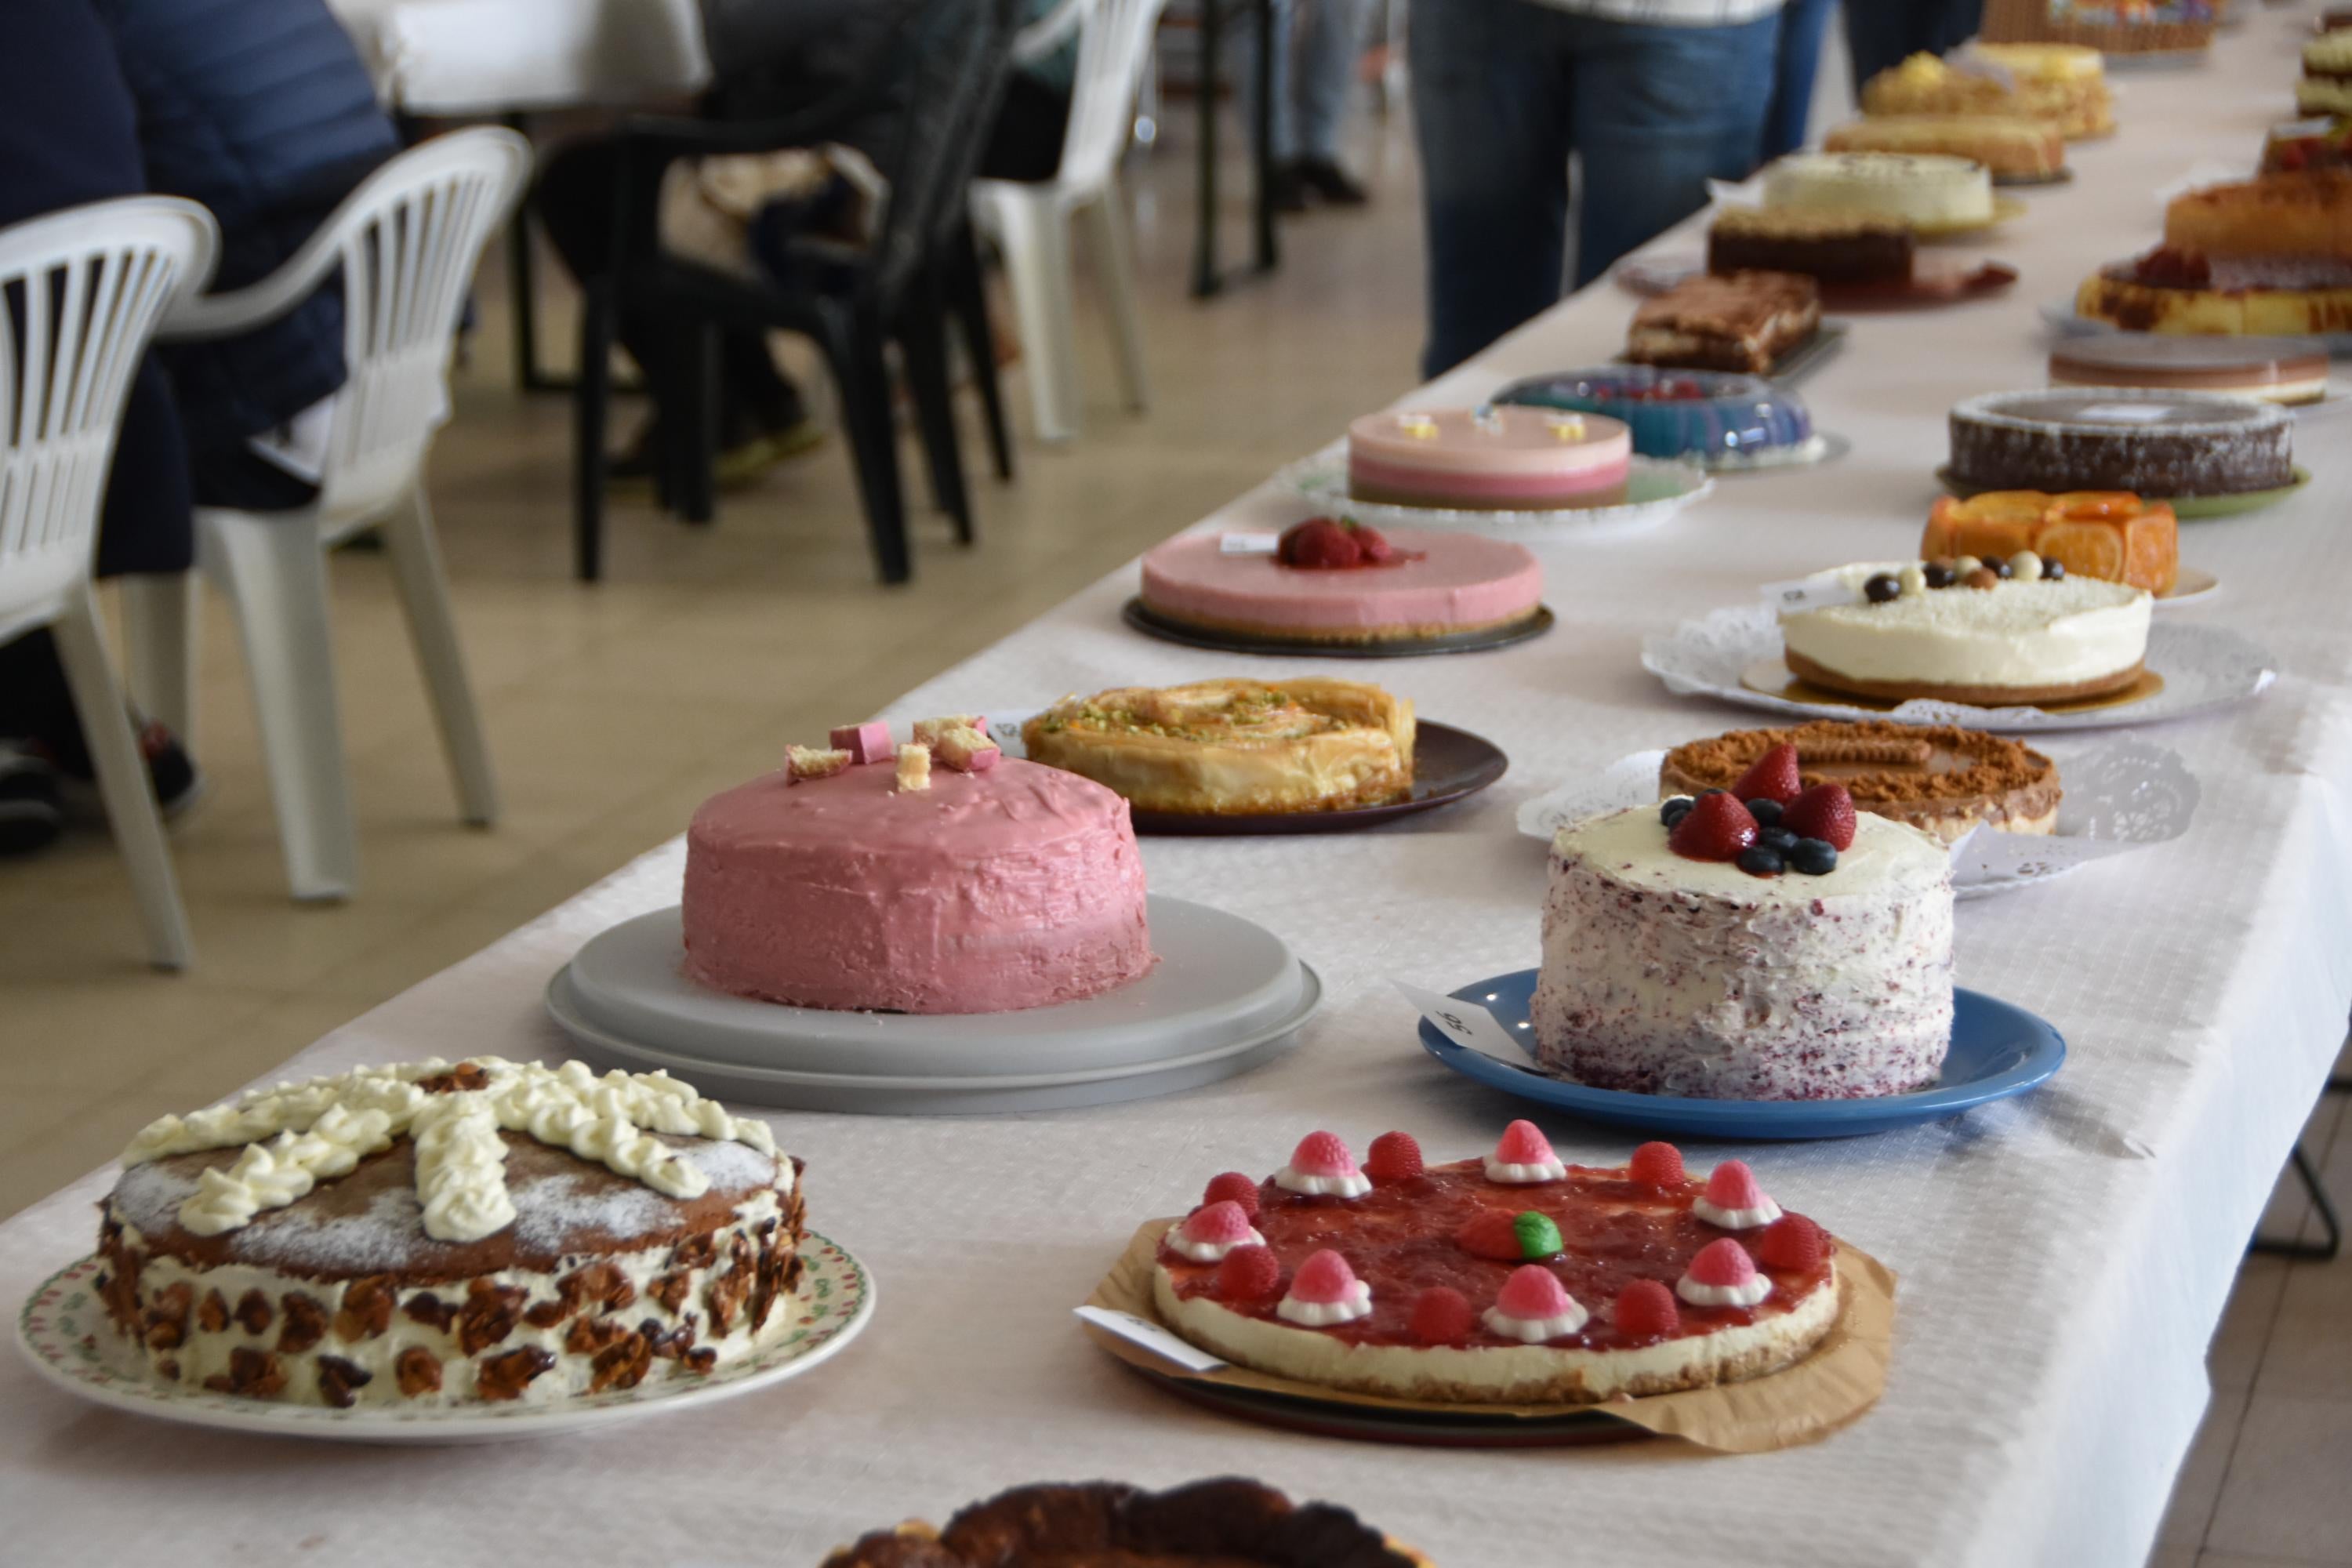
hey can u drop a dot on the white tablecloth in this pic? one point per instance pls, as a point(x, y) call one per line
point(2064, 1256)
point(488, 56)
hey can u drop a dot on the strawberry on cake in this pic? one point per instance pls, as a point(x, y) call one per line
point(1779, 947)
point(1493, 457)
point(863, 877)
point(1330, 580)
point(1550, 1283)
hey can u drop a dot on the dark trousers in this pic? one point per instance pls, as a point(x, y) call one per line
point(574, 200)
point(1503, 90)
point(1795, 62)
point(1884, 33)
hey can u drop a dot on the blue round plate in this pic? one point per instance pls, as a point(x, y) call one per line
point(1998, 1050)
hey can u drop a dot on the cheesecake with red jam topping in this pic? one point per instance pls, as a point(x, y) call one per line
point(1511, 1279)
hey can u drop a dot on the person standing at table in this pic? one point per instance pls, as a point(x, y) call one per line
point(1655, 97)
point(1796, 63)
point(1318, 45)
point(1881, 34)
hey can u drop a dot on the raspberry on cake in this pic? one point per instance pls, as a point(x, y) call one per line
point(1429, 585)
point(1403, 1290)
point(1941, 779)
point(1489, 459)
point(995, 886)
point(1235, 746)
point(1795, 969)
point(438, 1233)
point(1992, 637)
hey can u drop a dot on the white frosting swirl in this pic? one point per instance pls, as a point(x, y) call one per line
point(297, 1135)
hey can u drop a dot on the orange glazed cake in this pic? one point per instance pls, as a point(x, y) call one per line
point(434, 1233)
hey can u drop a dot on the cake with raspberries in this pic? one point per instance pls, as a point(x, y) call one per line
point(1767, 942)
point(1332, 581)
point(438, 1233)
point(1512, 1278)
point(864, 877)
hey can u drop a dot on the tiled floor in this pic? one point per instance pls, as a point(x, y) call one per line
point(614, 710)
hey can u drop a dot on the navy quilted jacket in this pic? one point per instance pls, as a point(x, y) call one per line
point(261, 111)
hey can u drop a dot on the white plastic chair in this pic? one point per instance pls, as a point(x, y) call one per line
point(1031, 220)
point(80, 294)
point(405, 243)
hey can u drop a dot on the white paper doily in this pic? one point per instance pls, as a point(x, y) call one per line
point(2120, 793)
point(2203, 667)
point(1657, 489)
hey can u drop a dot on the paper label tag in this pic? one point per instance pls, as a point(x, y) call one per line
point(2123, 412)
point(1809, 594)
point(1468, 1023)
point(1151, 1337)
point(1249, 543)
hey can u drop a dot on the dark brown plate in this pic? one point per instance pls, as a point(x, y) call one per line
point(1144, 620)
point(1448, 764)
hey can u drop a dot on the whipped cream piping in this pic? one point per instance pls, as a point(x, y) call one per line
point(1210, 1251)
point(1344, 1185)
point(1746, 1293)
point(1357, 1303)
point(1535, 1330)
point(297, 1135)
point(1510, 1176)
point(1764, 1212)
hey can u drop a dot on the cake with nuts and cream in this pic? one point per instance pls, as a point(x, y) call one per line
point(1989, 633)
point(436, 1234)
point(862, 878)
point(1721, 949)
point(1514, 1279)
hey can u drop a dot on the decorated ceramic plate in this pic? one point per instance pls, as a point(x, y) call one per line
point(1998, 1050)
point(2188, 509)
point(65, 1332)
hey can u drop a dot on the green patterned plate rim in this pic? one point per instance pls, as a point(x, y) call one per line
point(2188, 509)
point(64, 1331)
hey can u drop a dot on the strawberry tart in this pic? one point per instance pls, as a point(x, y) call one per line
point(1489, 459)
point(1514, 1279)
point(1333, 580)
point(1771, 945)
point(863, 877)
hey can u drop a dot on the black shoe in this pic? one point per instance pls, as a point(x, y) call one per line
point(1286, 189)
point(749, 447)
point(31, 814)
point(170, 772)
point(1330, 183)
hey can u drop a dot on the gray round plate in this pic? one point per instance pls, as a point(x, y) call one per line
point(1225, 993)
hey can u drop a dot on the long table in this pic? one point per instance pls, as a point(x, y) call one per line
point(2064, 1256)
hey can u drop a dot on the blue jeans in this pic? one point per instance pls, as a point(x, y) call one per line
point(1882, 32)
point(1314, 68)
point(1796, 61)
point(1503, 91)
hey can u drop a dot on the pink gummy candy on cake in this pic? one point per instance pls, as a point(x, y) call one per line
point(1534, 1291)
point(1323, 1166)
point(1722, 1275)
point(1324, 1291)
point(1735, 1199)
point(864, 743)
point(1524, 1156)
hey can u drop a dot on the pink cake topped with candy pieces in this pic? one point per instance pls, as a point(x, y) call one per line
point(930, 876)
point(1332, 580)
point(1493, 457)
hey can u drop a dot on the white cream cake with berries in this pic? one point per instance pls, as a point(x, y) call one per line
point(436, 1234)
point(1515, 1279)
point(1769, 942)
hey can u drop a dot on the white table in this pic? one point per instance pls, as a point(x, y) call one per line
point(2064, 1257)
point(502, 57)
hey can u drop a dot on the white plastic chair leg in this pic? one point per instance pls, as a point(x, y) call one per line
point(159, 626)
point(275, 573)
point(1116, 248)
point(122, 781)
point(415, 556)
point(1035, 234)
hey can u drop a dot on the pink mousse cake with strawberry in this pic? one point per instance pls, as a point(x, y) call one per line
point(1331, 580)
point(1494, 458)
point(1513, 1279)
point(1769, 942)
point(865, 877)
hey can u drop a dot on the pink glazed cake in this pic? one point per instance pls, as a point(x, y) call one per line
point(1435, 584)
point(1494, 459)
point(1015, 886)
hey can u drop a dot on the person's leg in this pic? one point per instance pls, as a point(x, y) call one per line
point(1796, 61)
point(1648, 146)
point(1491, 112)
point(1285, 29)
point(1880, 34)
point(1330, 45)
point(1956, 22)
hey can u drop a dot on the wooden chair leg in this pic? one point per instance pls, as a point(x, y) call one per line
point(590, 395)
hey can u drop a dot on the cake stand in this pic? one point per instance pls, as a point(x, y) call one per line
point(1226, 995)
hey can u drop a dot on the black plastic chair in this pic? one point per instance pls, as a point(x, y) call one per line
point(947, 66)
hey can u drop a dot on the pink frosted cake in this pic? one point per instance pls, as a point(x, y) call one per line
point(1335, 582)
point(1498, 457)
point(980, 886)
point(1724, 958)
